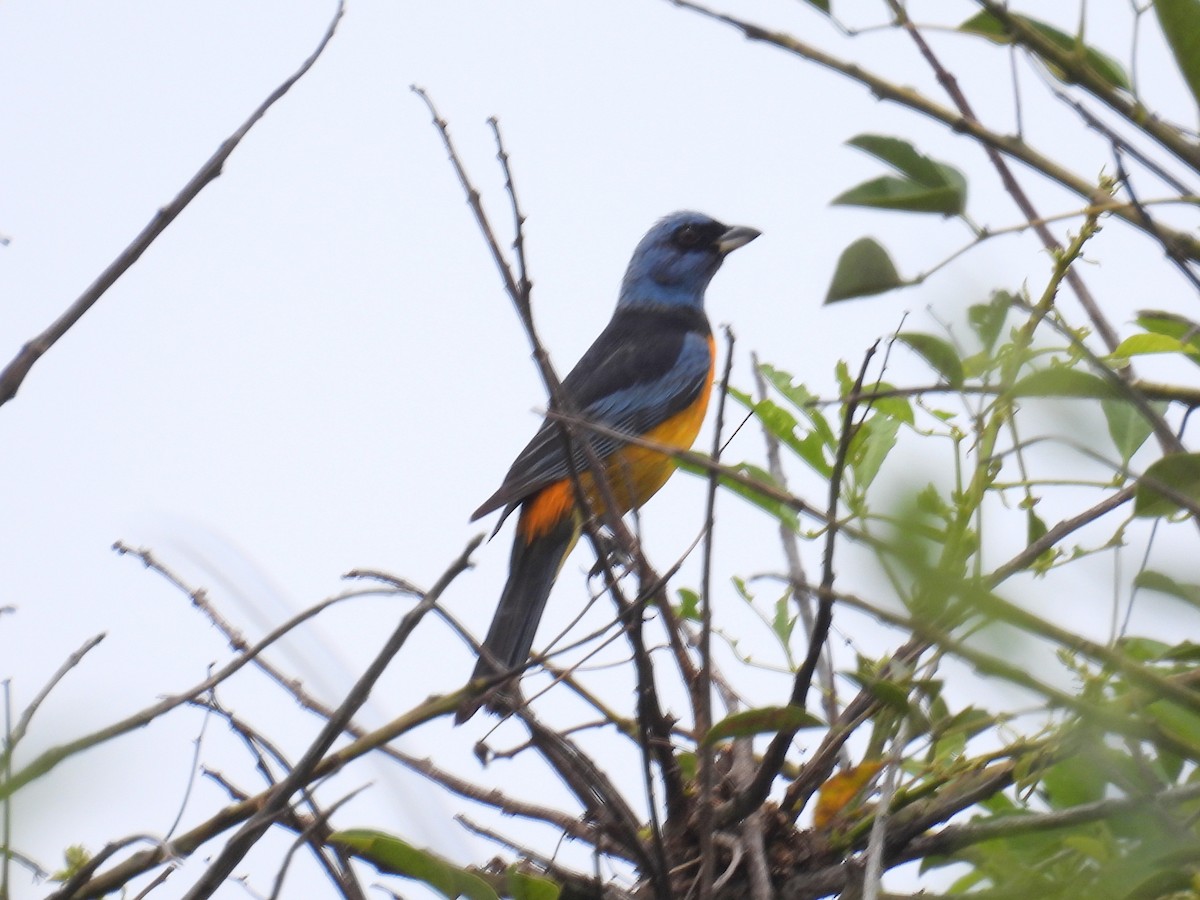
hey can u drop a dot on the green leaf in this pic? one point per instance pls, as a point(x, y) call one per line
point(782, 425)
point(1143, 649)
point(1035, 528)
point(1147, 342)
point(1059, 381)
point(1090, 848)
point(929, 501)
point(822, 5)
point(1112, 72)
point(939, 353)
point(863, 269)
point(890, 693)
point(743, 590)
point(524, 886)
point(1177, 721)
point(928, 185)
point(1170, 763)
point(879, 437)
point(1172, 324)
point(1180, 22)
point(1072, 782)
point(689, 605)
point(75, 857)
point(987, 319)
point(1165, 584)
point(750, 722)
point(842, 373)
point(688, 764)
point(969, 722)
point(1168, 333)
point(905, 158)
point(1187, 652)
point(802, 398)
point(784, 622)
point(773, 507)
point(390, 854)
point(1127, 427)
point(1180, 472)
point(799, 395)
point(894, 407)
point(775, 419)
point(903, 195)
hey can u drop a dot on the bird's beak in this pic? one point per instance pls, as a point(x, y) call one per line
point(737, 236)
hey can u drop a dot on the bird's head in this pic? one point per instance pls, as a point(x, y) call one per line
point(677, 258)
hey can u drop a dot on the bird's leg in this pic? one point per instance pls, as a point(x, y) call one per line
point(610, 555)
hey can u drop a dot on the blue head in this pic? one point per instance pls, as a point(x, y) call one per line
point(677, 258)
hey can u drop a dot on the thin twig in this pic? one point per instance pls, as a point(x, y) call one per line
point(187, 843)
point(873, 870)
point(1082, 73)
point(594, 790)
point(14, 373)
point(278, 798)
point(567, 824)
point(702, 699)
point(956, 837)
point(576, 883)
point(1181, 262)
point(797, 579)
point(754, 795)
point(6, 817)
point(50, 758)
point(311, 836)
point(1010, 145)
point(950, 84)
point(22, 726)
point(84, 872)
point(193, 769)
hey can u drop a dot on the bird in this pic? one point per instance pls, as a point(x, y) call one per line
point(649, 374)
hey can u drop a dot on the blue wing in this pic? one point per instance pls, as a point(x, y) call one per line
point(645, 367)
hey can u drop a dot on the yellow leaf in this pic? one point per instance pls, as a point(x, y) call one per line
point(840, 790)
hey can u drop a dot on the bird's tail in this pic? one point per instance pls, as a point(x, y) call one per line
point(532, 570)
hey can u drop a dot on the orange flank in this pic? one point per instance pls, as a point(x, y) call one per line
point(634, 473)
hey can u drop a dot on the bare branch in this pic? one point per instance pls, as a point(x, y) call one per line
point(278, 798)
point(22, 725)
point(14, 373)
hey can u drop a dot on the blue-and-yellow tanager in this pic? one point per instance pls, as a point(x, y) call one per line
point(649, 373)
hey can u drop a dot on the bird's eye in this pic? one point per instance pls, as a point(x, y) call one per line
point(687, 236)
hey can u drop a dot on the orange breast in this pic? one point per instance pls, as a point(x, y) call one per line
point(634, 473)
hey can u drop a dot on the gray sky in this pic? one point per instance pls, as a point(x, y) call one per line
point(316, 369)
